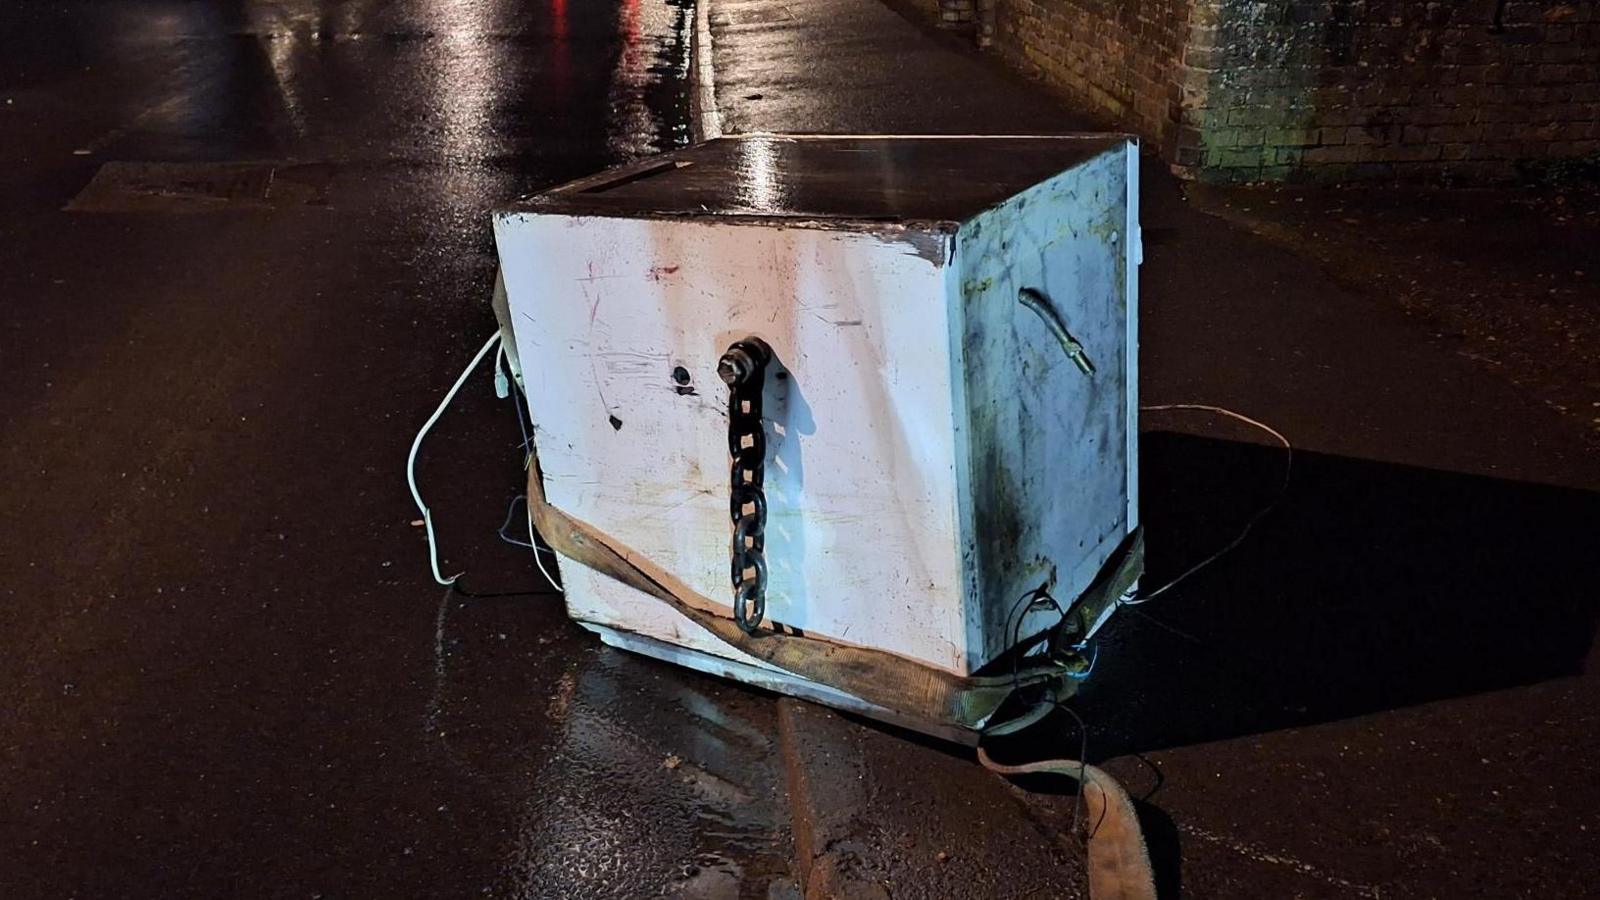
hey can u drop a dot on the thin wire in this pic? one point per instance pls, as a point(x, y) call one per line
point(1014, 626)
point(1083, 766)
point(511, 513)
point(1026, 602)
point(1288, 467)
point(1166, 627)
point(1079, 803)
point(1035, 597)
point(540, 563)
point(411, 460)
point(516, 395)
point(532, 543)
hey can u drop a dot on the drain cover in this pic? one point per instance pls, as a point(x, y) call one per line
point(758, 16)
point(197, 187)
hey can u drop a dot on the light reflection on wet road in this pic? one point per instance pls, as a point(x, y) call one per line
point(223, 668)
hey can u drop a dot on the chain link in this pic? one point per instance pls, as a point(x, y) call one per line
point(743, 369)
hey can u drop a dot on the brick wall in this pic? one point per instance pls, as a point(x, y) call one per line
point(1327, 89)
point(1343, 89)
point(957, 13)
point(1116, 56)
point(954, 14)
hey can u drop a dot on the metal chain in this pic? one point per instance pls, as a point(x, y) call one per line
point(743, 369)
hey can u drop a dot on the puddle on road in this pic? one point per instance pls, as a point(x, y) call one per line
point(658, 780)
point(624, 777)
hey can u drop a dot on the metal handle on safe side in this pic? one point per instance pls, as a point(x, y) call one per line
point(1035, 300)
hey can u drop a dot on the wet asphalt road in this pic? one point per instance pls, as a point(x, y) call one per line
point(224, 670)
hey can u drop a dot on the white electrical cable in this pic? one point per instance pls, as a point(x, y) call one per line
point(539, 562)
point(1261, 513)
point(411, 461)
point(502, 384)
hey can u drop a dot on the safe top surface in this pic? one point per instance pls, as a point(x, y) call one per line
point(878, 178)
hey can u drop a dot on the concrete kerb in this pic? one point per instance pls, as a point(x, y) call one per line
point(824, 769)
point(705, 119)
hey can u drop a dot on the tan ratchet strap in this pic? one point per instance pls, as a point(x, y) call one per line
point(876, 676)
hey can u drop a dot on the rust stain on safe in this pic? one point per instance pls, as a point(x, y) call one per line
point(928, 244)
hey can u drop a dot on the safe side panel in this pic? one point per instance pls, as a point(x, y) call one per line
point(860, 481)
point(1046, 450)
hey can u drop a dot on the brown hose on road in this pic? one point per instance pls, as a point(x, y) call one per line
point(1119, 862)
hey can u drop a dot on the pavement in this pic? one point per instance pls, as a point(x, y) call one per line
point(1388, 690)
point(244, 248)
point(1505, 278)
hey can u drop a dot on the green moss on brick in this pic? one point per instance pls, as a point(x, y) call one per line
point(1322, 89)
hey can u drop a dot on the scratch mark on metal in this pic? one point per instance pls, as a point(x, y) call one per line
point(594, 370)
point(839, 323)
